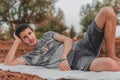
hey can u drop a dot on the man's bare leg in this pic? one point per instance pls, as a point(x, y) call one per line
point(104, 64)
point(106, 20)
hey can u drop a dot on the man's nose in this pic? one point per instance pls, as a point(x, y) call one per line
point(29, 37)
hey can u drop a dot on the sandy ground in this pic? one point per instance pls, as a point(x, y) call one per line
point(22, 49)
point(7, 75)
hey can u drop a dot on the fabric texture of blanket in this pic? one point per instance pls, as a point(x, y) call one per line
point(53, 74)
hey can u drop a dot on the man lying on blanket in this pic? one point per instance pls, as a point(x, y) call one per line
point(54, 50)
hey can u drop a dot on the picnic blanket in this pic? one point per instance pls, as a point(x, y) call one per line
point(53, 74)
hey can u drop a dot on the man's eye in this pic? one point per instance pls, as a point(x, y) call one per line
point(29, 33)
point(25, 37)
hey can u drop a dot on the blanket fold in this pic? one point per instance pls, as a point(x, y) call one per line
point(53, 74)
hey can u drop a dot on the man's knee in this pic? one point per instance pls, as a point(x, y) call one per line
point(111, 65)
point(108, 12)
point(104, 64)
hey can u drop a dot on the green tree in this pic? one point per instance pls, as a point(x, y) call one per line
point(88, 12)
point(72, 32)
point(14, 12)
point(53, 23)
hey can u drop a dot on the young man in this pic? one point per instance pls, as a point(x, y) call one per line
point(54, 50)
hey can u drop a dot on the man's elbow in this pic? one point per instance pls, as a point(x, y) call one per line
point(8, 63)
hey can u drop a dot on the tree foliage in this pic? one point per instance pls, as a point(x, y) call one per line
point(14, 12)
point(53, 23)
point(88, 12)
point(72, 32)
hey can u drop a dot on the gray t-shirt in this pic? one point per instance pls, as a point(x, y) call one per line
point(48, 52)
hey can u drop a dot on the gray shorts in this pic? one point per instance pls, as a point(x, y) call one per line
point(88, 48)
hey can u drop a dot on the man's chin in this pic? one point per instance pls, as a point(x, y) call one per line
point(30, 44)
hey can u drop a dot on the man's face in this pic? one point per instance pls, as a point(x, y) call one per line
point(28, 37)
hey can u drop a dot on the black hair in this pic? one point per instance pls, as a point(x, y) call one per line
point(21, 28)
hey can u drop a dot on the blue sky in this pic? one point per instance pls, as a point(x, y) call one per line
point(71, 9)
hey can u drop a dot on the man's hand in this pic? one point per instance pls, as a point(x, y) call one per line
point(64, 66)
point(17, 38)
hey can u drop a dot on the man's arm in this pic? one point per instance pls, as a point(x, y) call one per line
point(10, 58)
point(67, 47)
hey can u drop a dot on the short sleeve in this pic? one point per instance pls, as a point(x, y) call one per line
point(49, 34)
point(28, 57)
